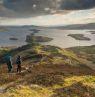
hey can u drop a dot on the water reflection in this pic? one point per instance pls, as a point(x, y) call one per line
point(60, 37)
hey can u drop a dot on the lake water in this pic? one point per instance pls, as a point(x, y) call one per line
point(17, 32)
point(60, 37)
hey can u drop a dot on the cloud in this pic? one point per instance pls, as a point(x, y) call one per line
point(32, 8)
point(77, 4)
point(40, 7)
point(75, 17)
point(23, 5)
point(1, 1)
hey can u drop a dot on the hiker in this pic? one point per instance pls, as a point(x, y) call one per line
point(18, 62)
point(8, 59)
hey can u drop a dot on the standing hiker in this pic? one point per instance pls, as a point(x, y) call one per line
point(18, 62)
point(8, 60)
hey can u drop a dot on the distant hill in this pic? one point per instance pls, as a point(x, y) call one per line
point(90, 26)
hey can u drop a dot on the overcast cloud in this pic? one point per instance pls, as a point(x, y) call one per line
point(13, 12)
point(39, 7)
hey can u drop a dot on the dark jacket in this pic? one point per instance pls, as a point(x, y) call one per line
point(18, 61)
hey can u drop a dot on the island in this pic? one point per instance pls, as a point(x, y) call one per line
point(79, 37)
point(13, 38)
point(32, 38)
point(92, 32)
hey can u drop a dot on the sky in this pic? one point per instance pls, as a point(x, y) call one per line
point(46, 13)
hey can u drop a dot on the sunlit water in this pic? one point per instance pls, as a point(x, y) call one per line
point(60, 37)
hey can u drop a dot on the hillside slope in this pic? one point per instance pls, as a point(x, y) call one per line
point(47, 71)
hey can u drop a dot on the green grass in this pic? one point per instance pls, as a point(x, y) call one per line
point(85, 49)
point(72, 87)
point(43, 54)
point(50, 79)
point(85, 52)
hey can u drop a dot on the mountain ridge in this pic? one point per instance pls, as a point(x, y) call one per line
point(89, 26)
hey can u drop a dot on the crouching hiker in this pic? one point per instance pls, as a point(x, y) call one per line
point(18, 62)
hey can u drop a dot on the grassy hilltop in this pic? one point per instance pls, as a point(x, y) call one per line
point(48, 71)
point(85, 52)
